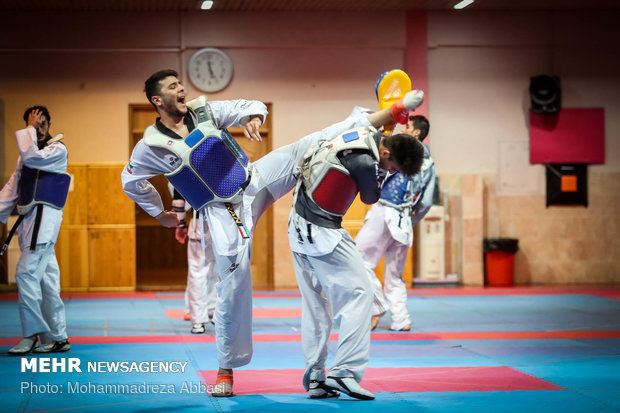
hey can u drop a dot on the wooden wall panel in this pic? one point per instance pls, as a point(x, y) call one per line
point(76, 208)
point(96, 243)
point(408, 272)
point(107, 203)
point(72, 255)
point(112, 258)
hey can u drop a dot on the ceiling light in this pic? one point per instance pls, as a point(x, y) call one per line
point(462, 4)
point(207, 4)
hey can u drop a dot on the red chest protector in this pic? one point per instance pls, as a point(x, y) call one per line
point(325, 180)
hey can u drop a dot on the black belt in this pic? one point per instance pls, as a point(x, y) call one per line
point(8, 239)
point(242, 229)
point(35, 230)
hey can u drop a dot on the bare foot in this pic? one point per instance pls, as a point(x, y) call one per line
point(374, 320)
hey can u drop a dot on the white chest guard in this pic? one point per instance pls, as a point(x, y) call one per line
point(325, 180)
point(213, 166)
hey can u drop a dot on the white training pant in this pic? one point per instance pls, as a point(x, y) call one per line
point(186, 299)
point(38, 281)
point(333, 287)
point(375, 241)
point(272, 177)
point(201, 279)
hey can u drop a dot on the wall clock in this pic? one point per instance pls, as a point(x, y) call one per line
point(210, 69)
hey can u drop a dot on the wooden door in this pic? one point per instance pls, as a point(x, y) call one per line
point(262, 244)
point(161, 262)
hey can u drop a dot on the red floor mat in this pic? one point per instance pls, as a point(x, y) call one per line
point(394, 379)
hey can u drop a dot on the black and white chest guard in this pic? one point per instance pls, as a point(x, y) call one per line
point(214, 168)
point(324, 179)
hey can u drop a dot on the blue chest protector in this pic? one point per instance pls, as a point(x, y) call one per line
point(397, 191)
point(41, 187)
point(403, 192)
point(38, 188)
point(214, 168)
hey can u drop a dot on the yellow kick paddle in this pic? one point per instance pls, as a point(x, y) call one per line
point(391, 87)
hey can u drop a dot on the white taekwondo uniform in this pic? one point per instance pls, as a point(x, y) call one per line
point(201, 274)
point(200, 293)
point(328, 266)
point(271, 178)
point(388, 231)
point(37, 274)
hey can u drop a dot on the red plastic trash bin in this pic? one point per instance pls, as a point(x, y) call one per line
point(499, 259)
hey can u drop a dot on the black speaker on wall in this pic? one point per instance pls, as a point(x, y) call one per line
point(546, 94)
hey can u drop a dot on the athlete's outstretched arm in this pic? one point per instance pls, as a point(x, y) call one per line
point(398, 112)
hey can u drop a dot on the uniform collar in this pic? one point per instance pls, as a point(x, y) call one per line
point(188, 119)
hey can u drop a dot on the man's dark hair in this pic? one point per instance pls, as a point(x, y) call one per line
point(152, 87)
point(406, 151)
point(420, 122)
point(43, 111)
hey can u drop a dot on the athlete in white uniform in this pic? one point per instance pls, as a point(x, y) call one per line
point(388, 231)
point(271, 177)
point(41, 309)
point(201, 275)
point(327, 263)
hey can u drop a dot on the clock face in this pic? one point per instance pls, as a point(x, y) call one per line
point(210, 69)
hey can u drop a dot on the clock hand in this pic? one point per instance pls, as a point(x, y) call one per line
point(210, 69)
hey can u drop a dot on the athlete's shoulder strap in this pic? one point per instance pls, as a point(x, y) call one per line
point(201, 109)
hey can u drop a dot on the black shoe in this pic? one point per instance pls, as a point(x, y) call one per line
point(318, 390)
point(198, 328)
point(349, 386)
point(55, 347)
